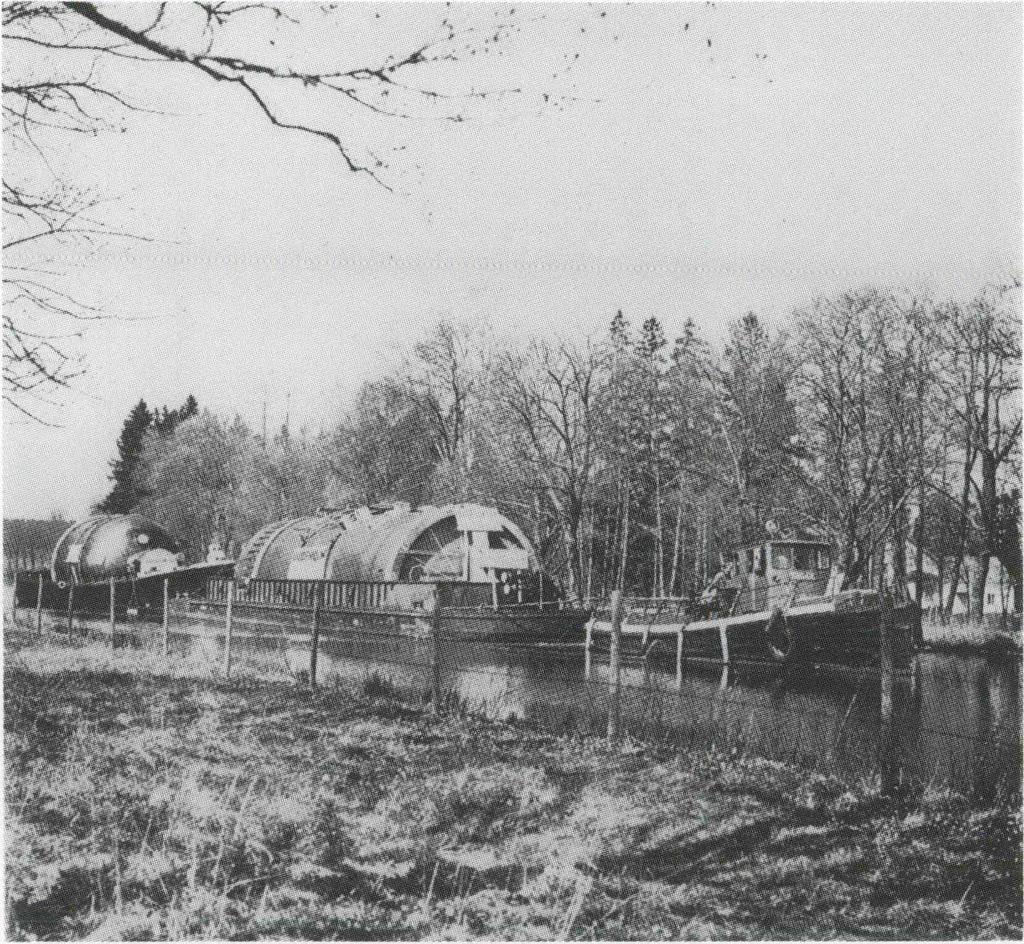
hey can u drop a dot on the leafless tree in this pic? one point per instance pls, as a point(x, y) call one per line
point(856, 414)
point(551, 395)
point(980, 386)
point(444, 378)
point(59, 83)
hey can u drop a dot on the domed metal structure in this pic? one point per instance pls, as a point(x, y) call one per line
point(464, 542)
point(118, 546)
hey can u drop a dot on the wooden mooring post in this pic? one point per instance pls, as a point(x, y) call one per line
point(39, 606)
point(166, 627)
point(227, 628)
point(588, 647)
point(14, 597)
point(314, 638)
point(679, 659)
point(71, 609)
point(615, 669)
point(113, 614)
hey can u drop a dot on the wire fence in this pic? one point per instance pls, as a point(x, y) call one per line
point(953, 719)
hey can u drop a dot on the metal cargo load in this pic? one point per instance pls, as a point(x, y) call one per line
point(454, 543)
point(119, 547)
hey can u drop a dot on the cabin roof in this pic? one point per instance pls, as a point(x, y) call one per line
point(804, 542)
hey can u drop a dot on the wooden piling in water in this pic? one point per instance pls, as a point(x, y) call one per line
point(167, 616)
point(588, 647)
point(71, 609)
point(39, 606)
point(679, 659)
point(113, 614)
point(615, 669)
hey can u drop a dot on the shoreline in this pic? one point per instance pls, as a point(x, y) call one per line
point(155, 799)
point(970, 639)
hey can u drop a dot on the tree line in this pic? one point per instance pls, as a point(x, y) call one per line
point(885, 423)
point(29, 542)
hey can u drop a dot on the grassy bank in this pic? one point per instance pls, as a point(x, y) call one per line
point(973, 637)
point(152, 800)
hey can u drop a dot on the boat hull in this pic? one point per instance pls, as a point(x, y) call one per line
point(556, 626)
point(812, 634)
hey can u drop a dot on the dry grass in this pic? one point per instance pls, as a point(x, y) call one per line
point(152, 800)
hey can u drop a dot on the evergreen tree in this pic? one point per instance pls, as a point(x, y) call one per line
point(652, 338)
point(124, 496)
point(188, 409)
point(165, 420)
point(652, 448)
point(620, 332)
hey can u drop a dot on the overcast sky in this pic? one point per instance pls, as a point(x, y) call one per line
point(811, 148)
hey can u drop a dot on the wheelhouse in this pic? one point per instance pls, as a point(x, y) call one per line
point(782, 561)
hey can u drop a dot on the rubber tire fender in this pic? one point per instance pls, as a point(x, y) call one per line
point(778, 627)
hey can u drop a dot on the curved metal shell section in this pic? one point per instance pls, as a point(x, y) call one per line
point(118, 546)
point(449, 543)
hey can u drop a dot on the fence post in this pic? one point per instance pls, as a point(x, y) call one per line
point(886, 733)
point(167, 616)
point(113, 617)
point(436, 626)
point(227, 628)
point(314, 642)
point(39, 606)
point(615, 669)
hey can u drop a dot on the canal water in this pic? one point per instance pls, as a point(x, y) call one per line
point(954, 719)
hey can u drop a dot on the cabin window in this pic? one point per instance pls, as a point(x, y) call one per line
point(500, 540)
point(782, 558)
point(760, 561)
point(803, 558)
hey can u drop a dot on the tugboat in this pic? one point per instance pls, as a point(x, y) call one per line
point(777, 601)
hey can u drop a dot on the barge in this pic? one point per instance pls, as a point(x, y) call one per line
point(393, 565)
point(129, 556)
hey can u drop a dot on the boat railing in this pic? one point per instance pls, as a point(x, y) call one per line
point(330, 595)
point(749, 600)
point(374, 595)
point(810, 587)
point(647, 611)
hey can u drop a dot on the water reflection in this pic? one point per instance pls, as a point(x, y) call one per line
point(943, 719)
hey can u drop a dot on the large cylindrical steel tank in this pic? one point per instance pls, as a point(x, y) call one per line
point(118, 546)
point(465, 542)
